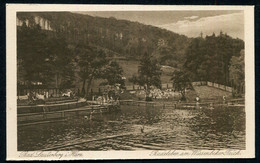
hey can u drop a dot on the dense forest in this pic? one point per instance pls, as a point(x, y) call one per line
point(122, 37)
point(56, 50)
point(209, 58)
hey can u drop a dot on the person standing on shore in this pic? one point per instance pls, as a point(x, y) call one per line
point(197, 99)
point(224, 99)
point(47, 94)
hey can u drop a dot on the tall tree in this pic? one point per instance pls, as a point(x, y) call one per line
point(237, 70)
point(62, 62)
point(149, 73)
point(113, 74)
point(194, 55)
point(91, 62)
point(181, 81)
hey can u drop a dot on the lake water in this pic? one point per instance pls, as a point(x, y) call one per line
point(221, 128)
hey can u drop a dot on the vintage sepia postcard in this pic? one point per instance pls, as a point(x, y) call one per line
point(129, 82)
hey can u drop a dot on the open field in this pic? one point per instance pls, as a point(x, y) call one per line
point(210, 92)
point(131, 67)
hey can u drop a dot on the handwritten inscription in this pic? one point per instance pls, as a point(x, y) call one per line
point(168, 153)
point(56, 154)
point(196, 153)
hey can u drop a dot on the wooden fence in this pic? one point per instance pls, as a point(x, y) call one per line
point(56, 92)
point(198, 83)
point(212, 84)
point(231, 103)
point(220, 86)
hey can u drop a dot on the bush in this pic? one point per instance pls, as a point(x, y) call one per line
point(148, 99)
point(236, 95)
point(183, 98)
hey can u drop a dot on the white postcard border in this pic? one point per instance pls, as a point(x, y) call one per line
point(11, 113)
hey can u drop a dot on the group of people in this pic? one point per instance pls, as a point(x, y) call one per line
point(105, 99)
point(33, 96)
point(159, 94)
point(110, 95)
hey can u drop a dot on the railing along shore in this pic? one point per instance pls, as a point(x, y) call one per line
point(232, 103)
point(56, 112)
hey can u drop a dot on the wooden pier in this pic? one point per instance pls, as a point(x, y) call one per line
point(54, 106)
point(30, 115)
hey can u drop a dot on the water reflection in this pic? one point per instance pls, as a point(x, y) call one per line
point(169, 128)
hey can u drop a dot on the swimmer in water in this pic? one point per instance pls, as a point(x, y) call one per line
point(142, 129)
point(86, 117)
point(90, 116)
point(211, 106)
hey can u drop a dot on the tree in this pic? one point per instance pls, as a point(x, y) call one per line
point(62, 62)
point(113, 74)
point(149, 73)
point(33, 55)
point(181, 81)
point(91, 62)
point(42, 58)
point(237, 70)
point(209, 58)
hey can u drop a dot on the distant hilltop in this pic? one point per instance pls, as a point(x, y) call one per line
point(43, 23)
point(124, 38)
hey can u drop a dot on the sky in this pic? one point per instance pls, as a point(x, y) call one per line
point(189, 23)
